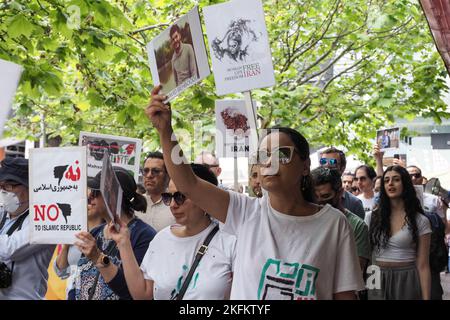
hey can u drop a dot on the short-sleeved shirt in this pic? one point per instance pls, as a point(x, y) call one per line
point(368, 204)
point(284, 257)
point(401, 247)
point(158, 215)
point(169, 259)
point(361, 234)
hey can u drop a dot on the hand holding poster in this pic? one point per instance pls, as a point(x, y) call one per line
point(9, 79)
point(58, 195)
point(111, 191)
point(178, 57)
point(123, 152)
point(239, 46)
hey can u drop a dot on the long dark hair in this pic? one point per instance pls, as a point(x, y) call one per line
point(380, 226)
point(302, 145)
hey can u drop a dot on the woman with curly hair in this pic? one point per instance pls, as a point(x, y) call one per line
point(400, 240)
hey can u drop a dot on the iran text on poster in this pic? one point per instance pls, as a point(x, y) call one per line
point(178, 56)
point(58, 195)
point(9, 79)
point(235, 129)
point(124, 152)
point(239, 46)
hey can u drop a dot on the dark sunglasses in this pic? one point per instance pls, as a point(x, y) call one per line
point(154, 171)
point(177, 196)
point(330, 161)
point(415, 175)
point(93, 193)
point(281, 154)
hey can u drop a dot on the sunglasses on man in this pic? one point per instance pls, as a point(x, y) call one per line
point(153, 171)
point(332, 162)
point(415, 175)
point(282, 154)
point(178, 197)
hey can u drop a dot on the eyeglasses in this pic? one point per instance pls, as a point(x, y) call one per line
point(93, 193)
point(415, 175)
point(332, 162)
point(282, 154)
point(177, 196)
point(8, 187)
point(154, 171)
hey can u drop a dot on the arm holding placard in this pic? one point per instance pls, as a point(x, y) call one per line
point(213, 200)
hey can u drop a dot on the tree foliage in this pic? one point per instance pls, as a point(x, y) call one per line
point(343, 68)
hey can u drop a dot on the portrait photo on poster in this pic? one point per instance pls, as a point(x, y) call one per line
point(239, 46)
point(177, 56)
point(388, 139)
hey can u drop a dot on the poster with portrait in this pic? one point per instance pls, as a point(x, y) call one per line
point(9, 79)
point(235, 129)
point(388, 139)
point(58, 195)
point(178, 56)
point(111, 190)
point(123, 152)
point(239, 46)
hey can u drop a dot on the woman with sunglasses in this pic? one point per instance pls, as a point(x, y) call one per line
point(101, 275)
point(171, 253)
point(365, 175)
point(400, 239)
point(287, 246)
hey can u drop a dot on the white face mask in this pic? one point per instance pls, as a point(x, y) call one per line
point(9, 201)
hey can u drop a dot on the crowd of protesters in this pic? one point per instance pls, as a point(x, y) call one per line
point(302, 234)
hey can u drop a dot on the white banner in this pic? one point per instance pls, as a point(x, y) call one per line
point(9, 79)
point(239, 46)
point(124, 152)
point(234, 129)
point(58, 195)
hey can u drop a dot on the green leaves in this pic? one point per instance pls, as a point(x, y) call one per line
point(19, 26)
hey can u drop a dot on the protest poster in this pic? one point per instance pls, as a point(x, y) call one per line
point(235, 129)
point(239, 46)
point(123, 152)
point(58, 195)
point(9, 79)
point(111, 191)
point(178, 56)
point(388, 139)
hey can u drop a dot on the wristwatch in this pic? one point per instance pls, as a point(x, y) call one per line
point(102, 261)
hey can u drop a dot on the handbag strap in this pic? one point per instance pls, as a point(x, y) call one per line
point(16, 225)
point(200, 253)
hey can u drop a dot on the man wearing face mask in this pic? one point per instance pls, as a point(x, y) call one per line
point(23, 267)
point(328, 190)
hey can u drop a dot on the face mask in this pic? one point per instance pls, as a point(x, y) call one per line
point(9, 201)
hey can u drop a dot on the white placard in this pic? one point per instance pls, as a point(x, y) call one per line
point(58, 196)
point(124, 152)
point(388, 139)
point(9, 79)
point(239, 46)
point(234, 129)
point(178, 56)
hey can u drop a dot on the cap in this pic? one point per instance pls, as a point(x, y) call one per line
point(14, 169)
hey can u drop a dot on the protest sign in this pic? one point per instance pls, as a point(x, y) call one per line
point(235, 126)
point(239, 46)
point(58, 195)
point(111, 191)
point(124, 152)
point(388, 139)
point(178, 56)
point(9, 79)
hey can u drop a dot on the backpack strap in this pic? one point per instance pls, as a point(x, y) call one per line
point(200, 253)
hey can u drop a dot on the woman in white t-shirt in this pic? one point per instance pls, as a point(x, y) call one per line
point(287, 246)
point(171, 253)
point(400, 239)
point(365, 176)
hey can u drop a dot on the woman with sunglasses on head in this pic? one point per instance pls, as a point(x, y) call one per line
point(287, 246)
point(170, 256)
point(400, 239)
point(101, 275)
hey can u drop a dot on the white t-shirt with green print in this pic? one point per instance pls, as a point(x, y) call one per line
point(287, 257)
point(169, 258)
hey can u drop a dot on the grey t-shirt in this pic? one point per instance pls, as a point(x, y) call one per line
point(183, 64)
point(353, 204)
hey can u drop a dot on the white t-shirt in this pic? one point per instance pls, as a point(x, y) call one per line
point(368, 204)
point(169, 258)
point(288, 257)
